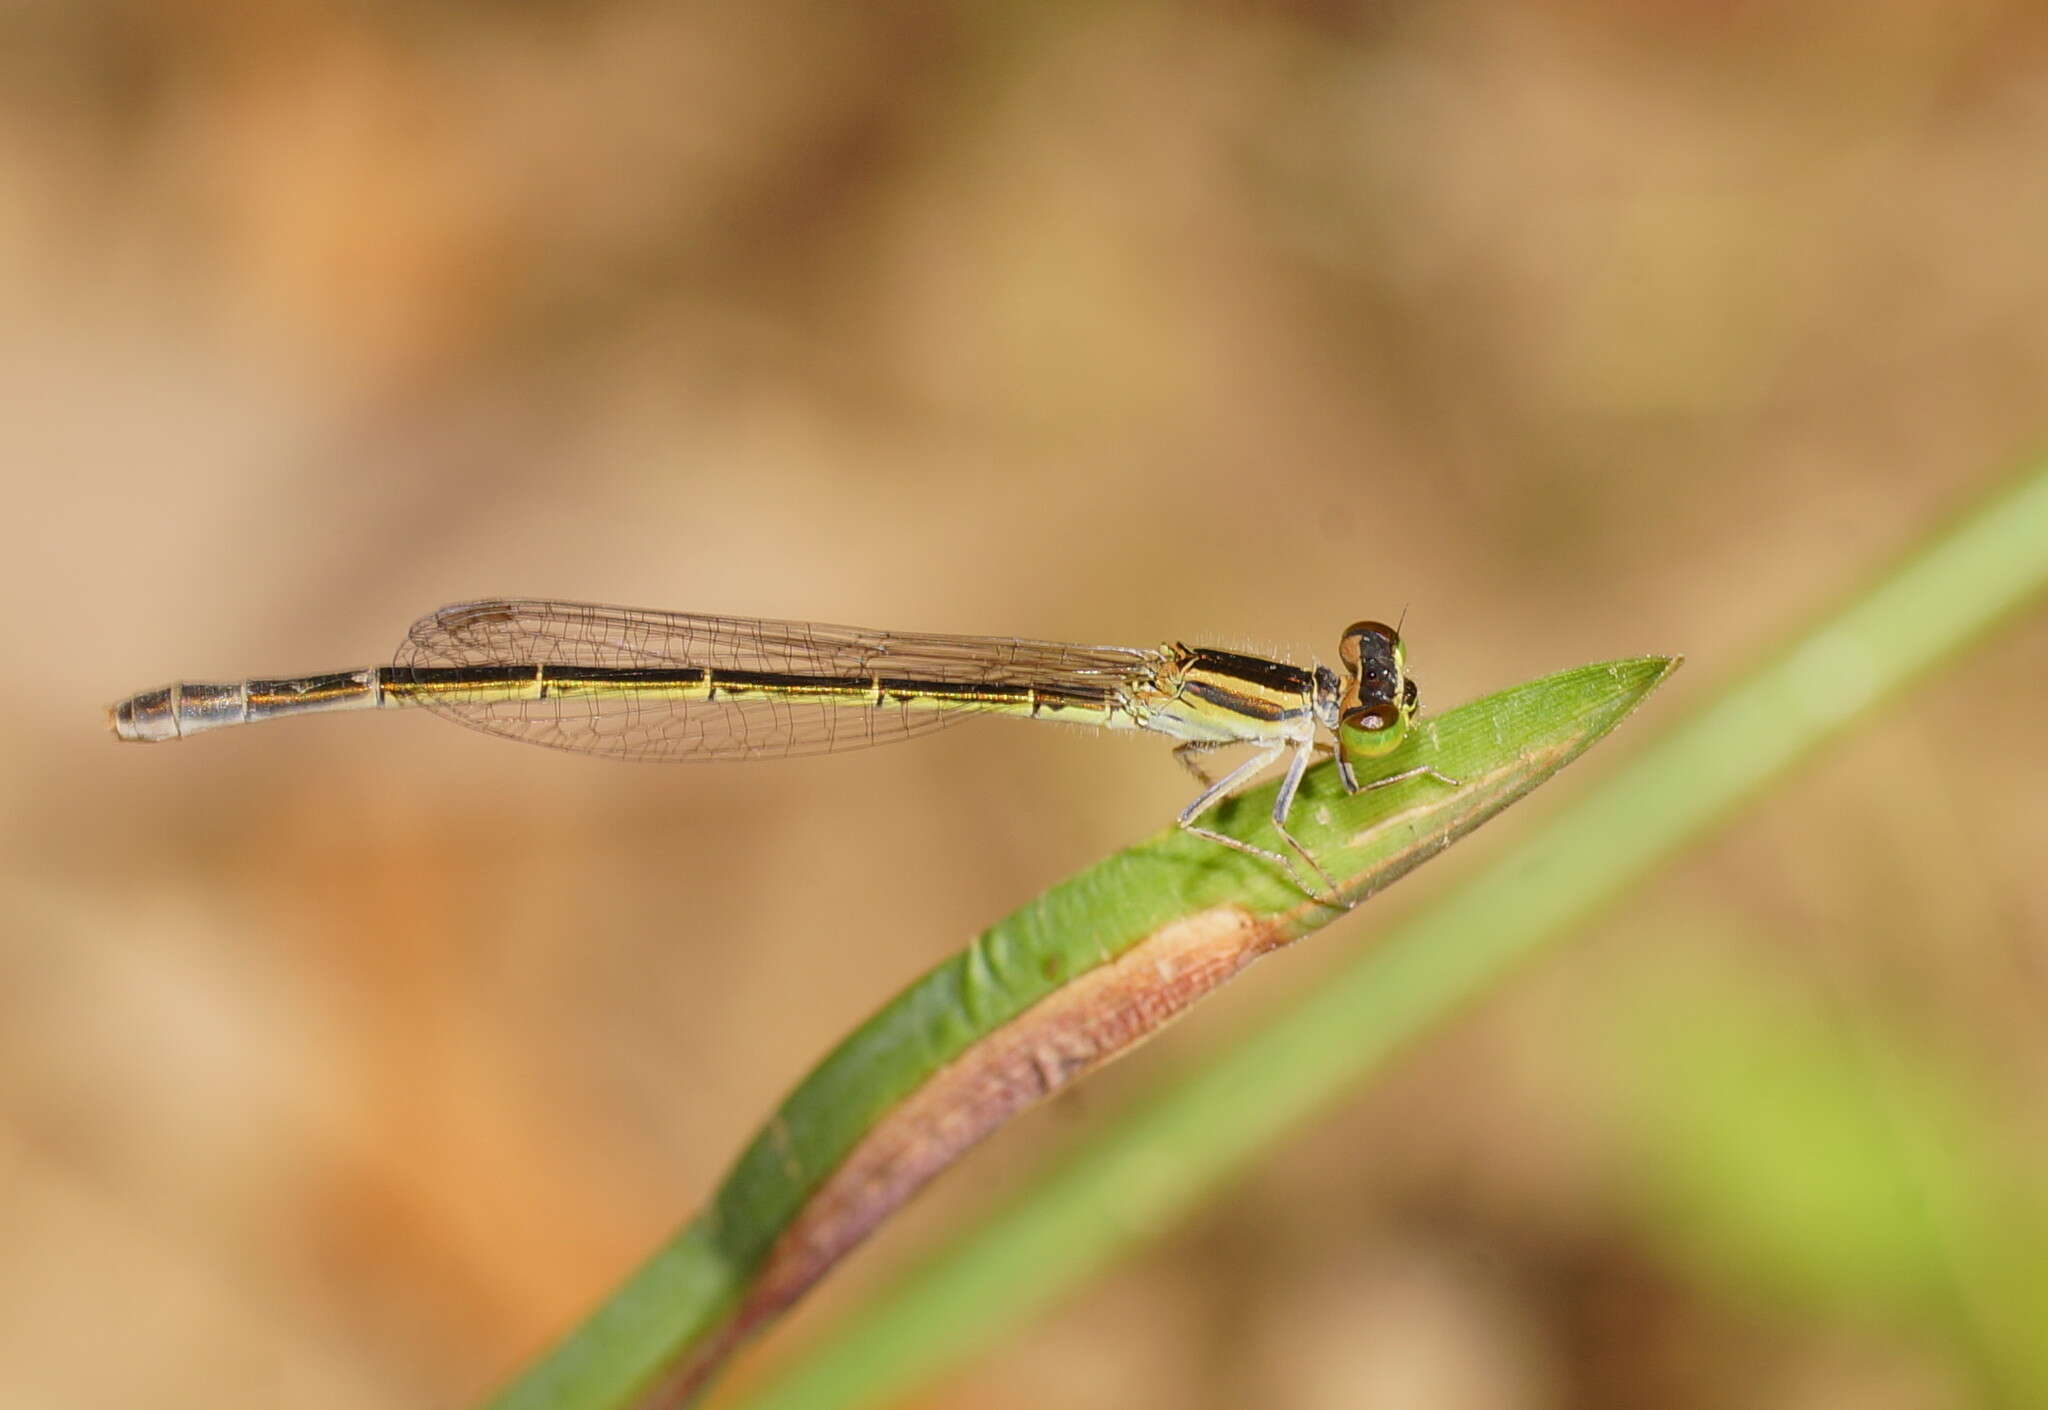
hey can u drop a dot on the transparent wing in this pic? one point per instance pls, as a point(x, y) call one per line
point(503, 632)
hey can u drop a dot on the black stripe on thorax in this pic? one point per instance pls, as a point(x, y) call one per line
point(1255, 671)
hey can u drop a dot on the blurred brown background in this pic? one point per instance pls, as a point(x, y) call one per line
point(344, 1063)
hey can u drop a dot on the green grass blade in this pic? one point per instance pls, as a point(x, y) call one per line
point(1071, 980)
point(1131, 1183)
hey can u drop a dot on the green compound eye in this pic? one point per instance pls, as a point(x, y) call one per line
point(1369, 731)
point(1372, 719)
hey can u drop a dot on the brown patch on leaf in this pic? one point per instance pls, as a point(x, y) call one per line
point(1101, 1015)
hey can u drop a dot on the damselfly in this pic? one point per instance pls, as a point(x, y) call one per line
point(631, 683)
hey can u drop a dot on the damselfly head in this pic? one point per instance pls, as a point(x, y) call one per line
point(1378, 696)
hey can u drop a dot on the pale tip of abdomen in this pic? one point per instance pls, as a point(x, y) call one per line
point(146, 718)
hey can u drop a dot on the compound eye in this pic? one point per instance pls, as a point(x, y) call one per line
point(1411, 696)
point(1371, 652)
point(1365, 640)
point(1372, 719)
